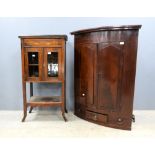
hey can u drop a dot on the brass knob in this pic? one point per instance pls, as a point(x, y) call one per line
point(83, 94)
point(120, 119)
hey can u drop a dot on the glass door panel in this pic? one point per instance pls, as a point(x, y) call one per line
point(33, 64)
point(33, 71)
point(52, 61)
point(33, 61)
point(33, 57)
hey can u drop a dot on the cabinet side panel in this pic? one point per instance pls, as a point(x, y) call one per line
point(78, 110)
point(129, 72)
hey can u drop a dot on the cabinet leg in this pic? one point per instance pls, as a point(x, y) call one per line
point(25, 113)
point(133, 118)
point(24, 101)
point(24, 117)
point(63, 115)
point(66, 110)
point(31, 108)
point(63, 106)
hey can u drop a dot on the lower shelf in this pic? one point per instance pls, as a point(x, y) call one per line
point(44, 101)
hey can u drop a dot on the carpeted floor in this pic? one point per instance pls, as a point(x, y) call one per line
point(50, 124)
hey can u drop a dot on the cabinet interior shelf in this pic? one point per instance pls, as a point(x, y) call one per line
point(44, 100)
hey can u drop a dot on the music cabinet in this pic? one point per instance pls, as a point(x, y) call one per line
point(104, 74)
point(43, 60)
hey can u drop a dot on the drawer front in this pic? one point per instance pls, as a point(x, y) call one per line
point(43, 42)
point(96, 117)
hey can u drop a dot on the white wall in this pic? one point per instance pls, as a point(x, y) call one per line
point(10, 58)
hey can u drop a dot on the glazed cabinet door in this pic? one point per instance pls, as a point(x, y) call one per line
point(109, 75)
point(84, 72)
point(52, 63)
point(33, 64)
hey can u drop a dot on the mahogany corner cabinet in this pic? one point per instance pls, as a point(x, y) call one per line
point(43, 60)
point(105, 67)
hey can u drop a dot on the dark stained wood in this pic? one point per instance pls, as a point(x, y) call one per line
point(107, 74)
point(107, 28)
point(39, 46)
point(84, 82)
point(96, 117)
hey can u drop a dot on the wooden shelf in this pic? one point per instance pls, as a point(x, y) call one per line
point(44, 101)
point(53, 80)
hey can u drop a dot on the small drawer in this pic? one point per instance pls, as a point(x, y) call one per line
point(96, 117)
point(42, 42)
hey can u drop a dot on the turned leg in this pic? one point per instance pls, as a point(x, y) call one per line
point(63, 113)
point(25, 114)
point(31, 108)
point(24, 102)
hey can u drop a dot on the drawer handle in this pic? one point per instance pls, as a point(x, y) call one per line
point(83, 94)
point(119, 119)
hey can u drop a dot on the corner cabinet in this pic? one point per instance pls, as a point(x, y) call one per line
point(43, 60)
point(105, 67)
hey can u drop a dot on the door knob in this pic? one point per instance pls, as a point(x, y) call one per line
point(83, 94)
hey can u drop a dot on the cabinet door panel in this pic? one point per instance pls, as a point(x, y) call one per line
point(109, 72)
point(52, 63)
point(84, 60)
point(33, 63)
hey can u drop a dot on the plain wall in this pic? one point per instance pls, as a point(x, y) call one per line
point(10, 58)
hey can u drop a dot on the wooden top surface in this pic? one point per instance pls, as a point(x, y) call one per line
point(45, 37)
point(108, 28)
